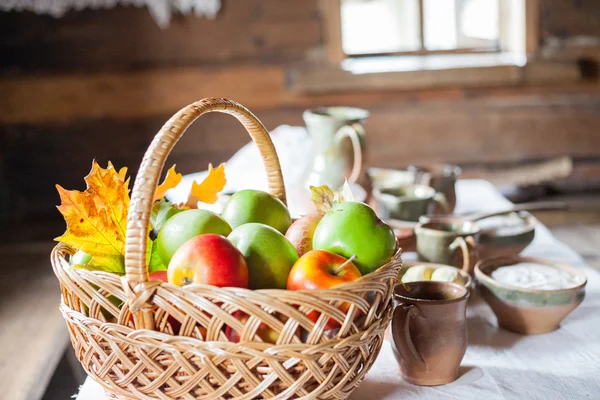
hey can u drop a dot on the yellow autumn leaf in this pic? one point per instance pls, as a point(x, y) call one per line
point(171, 180)
point(210, 187)
point(122, 171)
point(111, 190)
point(97, 218)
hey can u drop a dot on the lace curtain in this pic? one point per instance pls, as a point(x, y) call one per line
point(161, 10)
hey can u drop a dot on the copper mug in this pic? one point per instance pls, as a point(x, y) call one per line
point(429, 331)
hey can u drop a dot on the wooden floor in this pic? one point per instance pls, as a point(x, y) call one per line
point(33, 334)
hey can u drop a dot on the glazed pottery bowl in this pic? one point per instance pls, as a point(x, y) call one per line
point(524, 310)
point(408, 202)
point(468, 280)
point(506, 235)
point(386, 177)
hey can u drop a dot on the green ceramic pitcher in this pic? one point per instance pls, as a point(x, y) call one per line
point(328, 127)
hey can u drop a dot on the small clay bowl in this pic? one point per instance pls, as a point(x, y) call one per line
point(508, 239)
point(522, 310)
point(386, 177)
point(468, 280)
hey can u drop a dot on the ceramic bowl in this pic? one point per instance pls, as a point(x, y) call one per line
point(386, 177)
point(505, 235)
point(522, 310)
point(468, 280)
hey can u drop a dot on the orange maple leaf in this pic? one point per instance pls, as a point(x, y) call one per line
point(171, 180)
point(97, 218)
point(210, 187)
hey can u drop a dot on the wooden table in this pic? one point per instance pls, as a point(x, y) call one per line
point(500, 365)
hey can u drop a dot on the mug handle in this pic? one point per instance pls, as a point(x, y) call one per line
point(468, 246)
point(441, 200)
point(401, 337)
point(355, 132)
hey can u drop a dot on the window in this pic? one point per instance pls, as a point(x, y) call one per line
point(376, 27)
point(415, 44)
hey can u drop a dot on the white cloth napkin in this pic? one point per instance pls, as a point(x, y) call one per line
point(500, 365)
point(245, 170)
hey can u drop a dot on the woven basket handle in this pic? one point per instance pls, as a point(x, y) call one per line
point(136, 273)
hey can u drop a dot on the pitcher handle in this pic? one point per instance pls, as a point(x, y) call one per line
point(468, 247)
point(355, 132)
point(401, 337)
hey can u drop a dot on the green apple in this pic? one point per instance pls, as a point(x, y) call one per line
point(352, 228)
point(80, 258)
point(269, 255)
point(256, 206)
point(185, 225)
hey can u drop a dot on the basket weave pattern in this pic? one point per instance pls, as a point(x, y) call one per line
point(131, 349)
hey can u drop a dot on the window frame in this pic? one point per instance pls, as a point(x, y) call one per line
point(423, 49)
point(529, 38)
point(517, 64)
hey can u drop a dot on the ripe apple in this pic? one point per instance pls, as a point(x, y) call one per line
point(300, 233)
point(210, 259)
point(159, 276)
point(320, 269)
point(80, 258)
point(185, 225)
point(264, 332)
point(269, 255)
point(249, 205)
point(163, 276)
point(352, 228)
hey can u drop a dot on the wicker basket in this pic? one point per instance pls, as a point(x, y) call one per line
point(132, 352)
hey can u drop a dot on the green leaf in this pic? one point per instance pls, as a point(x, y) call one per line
point(112, 264)
point(161, 212)
point(153, 259)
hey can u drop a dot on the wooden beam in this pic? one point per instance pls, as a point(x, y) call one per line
point(422, 25)
point(324, 80)
point(134, 95)
point(65, 98)
point(245, 31)
point(319, 81)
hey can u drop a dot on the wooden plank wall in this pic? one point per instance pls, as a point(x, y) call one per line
point(99, 84)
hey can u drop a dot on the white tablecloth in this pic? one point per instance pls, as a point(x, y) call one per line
point(564, 364)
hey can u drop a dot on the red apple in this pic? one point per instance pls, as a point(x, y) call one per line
point(162, 276)
point(265, 333)
point(159, 276)
point(321, 269)
point(210, 259)
point(301, 232)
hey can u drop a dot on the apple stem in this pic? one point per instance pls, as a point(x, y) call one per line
point(348, 261)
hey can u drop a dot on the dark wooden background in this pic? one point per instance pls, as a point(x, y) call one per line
point(99, 84)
